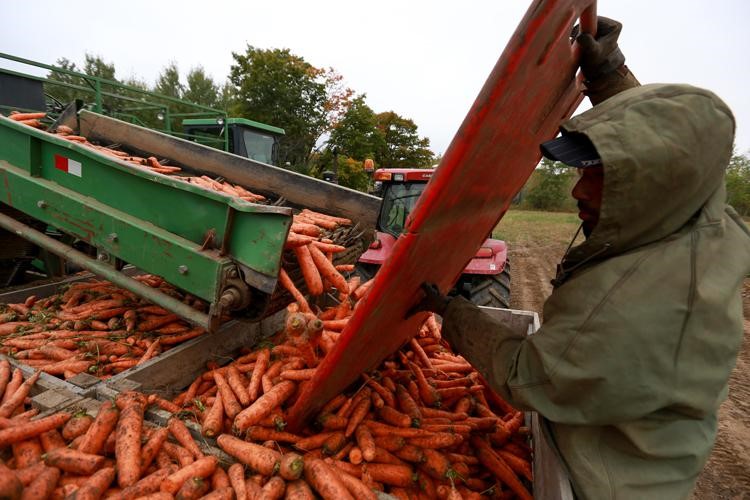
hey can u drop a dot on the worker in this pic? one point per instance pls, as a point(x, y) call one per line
point(644, 323)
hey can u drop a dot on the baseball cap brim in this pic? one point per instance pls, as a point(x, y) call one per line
point(575, 150)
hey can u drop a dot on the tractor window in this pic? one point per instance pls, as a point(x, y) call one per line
point(398, 202)
point(259, 146)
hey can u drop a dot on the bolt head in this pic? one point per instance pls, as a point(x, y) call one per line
point(41, 204)
point(183, 269)
point(112, 237)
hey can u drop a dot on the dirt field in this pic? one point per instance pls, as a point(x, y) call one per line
point(727, 474)
point(538, 242)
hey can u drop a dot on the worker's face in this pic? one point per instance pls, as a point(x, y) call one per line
point(588, 192)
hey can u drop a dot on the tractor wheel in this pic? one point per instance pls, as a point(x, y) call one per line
point(492, 290)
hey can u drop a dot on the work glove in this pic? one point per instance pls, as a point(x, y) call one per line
point(433, 301)
point(602, 61)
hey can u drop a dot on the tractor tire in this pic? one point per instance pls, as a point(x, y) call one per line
point(492, 290)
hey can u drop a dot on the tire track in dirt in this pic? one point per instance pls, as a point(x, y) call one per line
point(531, 270)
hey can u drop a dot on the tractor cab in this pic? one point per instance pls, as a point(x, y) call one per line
point(486, 278)
point(247, 138)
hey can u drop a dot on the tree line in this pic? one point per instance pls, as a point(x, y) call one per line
point(325, 121)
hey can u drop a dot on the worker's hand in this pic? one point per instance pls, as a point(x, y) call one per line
point(433, 301)
point(600, 55)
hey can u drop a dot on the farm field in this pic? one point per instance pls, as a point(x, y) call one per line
point(537, 241)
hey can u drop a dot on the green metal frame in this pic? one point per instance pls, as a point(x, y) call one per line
point(155, 222)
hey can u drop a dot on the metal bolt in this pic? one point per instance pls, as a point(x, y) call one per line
point(41, 204)
point(183, 269)
point(233, 273)
point(112, 237)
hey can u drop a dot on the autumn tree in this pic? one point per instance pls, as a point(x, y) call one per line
point(401, 147)
point(357, 135)
point(277, 87)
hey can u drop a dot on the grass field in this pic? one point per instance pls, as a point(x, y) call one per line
point(536, 229)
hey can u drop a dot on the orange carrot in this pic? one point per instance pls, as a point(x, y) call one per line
point(213, 418)
point(356, 487)
point(51, 440)
point(26, 116)
point(96, 485)
point(237, 479)
point(235, 381)
point(261, 365)
point(100, 429)
point(286, 282)
point(41, 486)
point(325, 481)
point(264, 405)
point(359, 413)
point(152, 447)
point(327, 271)
point(202, 469)
point(231, 406)
point(33, 428)
point(13, 384)
point(181, 433)
point(313, 442)
point(498, 467)
point(298, 490)
point(408, 405)
point(74, 461)
point(394, 475)
point(518, 464)
point(27, 453)
point(365, 441)
point(128, 437)
point(259, 458)
point(309, 272)
point(77, 426)
point(146, 486)
point(291, 466)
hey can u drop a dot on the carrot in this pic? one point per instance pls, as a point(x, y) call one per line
point(286, 282)
point(192, 488)
point(273, 489)
point(261, 459)
point(150, 352)
point(295, 240)
point(51, 440)
point(356, 487)
point(231, 406)
point(15, 382)
point(313, 442)
point(77, 426)
point(181, 337)
point(384, 393)
point(518, 464)
point(437, 440)
point(10, 486)
point(330, 247)
point(299, 375)
point(389, 442)
point(202, 469)
point(355, 455)
point(258, 433)
point(365, 441)
point(394, 417)
point(325, 481)
point(4, 375)
point(26, 116)
point(74, 461)
point(411, 453)
point(237, 479)
point(408, 405)
point(213, 418)
point(147, 485)
point(298, 490)
point(128, 437)
point(225, 493)
point(427, 392)
point(360, 412)
point(334, 443)
point(235, 381)
point(102, 426)
point(498, 467)
point(27, 453)
point(310, 273)
point(261, 365)
point(31, 429)
point(331, 422)
point(327, 271)
point(152, 447)
point(264, 405)
point(96, 485)
point(393, 475)
point(41, 486)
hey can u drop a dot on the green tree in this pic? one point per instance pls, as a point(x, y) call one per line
point(168, 82)
point(277, 87)
point(738, 183)
point(356, 135)
point(201, 89)
point(96, 66)
point(549, 187)
point(401, 147)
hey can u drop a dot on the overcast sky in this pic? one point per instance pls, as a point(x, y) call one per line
point(425, 60)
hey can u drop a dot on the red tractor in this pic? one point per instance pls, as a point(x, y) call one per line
point(485, 280)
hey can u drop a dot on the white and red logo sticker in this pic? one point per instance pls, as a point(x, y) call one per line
point(67, 165)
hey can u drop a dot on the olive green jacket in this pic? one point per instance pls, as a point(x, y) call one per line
point(638, 341)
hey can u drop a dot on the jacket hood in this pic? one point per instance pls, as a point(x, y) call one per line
point(664, 149)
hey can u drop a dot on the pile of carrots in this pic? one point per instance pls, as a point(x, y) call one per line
point(424, 425)
point(93, 327)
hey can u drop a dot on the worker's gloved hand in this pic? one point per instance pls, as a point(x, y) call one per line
point(601, 55)
point(602, 62)
point(433, 301)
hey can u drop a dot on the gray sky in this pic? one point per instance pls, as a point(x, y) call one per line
point(425, 60)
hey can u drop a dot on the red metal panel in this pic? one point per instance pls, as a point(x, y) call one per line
point(531, 90)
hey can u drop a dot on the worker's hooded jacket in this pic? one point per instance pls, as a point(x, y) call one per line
point(638, 341)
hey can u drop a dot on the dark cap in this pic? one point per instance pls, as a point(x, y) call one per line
point(575, 150)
